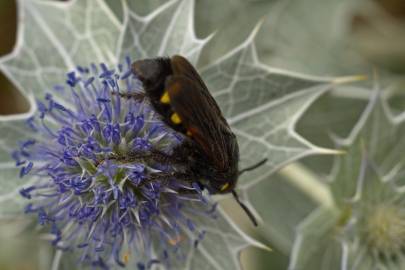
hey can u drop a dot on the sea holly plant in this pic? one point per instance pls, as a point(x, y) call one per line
point(364, 228)
point(93, 166)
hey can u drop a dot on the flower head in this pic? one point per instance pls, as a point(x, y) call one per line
point(378, 227)
point(103, 182)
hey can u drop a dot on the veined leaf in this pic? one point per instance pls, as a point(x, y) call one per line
point(367, 186)
point(261, 103)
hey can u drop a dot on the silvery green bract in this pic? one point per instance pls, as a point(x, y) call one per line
point(261, 103)
point(365, 227)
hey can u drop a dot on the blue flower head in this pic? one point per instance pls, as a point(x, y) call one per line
point(98, 185)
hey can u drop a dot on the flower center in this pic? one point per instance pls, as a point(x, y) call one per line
point(386, 229)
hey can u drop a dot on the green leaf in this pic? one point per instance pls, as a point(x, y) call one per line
point(311, 37)
point(166, 31)
point(262, 104)
point(232, 22)
point(281, 207)
point(222, 246)
point(333, 113)
point(23, 246)
point(90, 34)
point(367, 187)
point(376, 125)
point(10, 183)
point(315, 246)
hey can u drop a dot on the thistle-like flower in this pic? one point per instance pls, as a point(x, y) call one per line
point(364, 228)
point(374, 235)
point(105, 186)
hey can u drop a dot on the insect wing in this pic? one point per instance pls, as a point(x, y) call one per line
point(202, 118)
point(181, 67)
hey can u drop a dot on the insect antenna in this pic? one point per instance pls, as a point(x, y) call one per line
point(235, 195)
point(251, 168)
point(245, 208)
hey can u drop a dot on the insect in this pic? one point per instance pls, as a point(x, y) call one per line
point(181, 97)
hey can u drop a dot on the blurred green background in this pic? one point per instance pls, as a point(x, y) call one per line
point(315, 37)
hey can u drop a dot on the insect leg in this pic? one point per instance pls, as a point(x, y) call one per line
point(178, 157)
point(245, 208)
point(165, 177)
point(128, 95)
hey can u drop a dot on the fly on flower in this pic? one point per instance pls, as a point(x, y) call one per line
point(181, 97)
point(101, 179)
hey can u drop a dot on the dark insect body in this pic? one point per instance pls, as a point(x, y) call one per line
point(179, 95)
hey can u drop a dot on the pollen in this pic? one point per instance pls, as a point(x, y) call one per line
point(125, 257)
point(224, 187)
point(165, 98)
point(175, 118)
point(386, 229)
point(175, 241)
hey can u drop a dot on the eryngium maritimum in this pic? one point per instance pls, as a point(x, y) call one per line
point(97, 186)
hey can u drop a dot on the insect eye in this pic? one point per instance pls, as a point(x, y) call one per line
point(225, 186)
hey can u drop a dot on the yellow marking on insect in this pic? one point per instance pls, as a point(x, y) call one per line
point(125, 257)
point(175, 241)
point(192, 131)
point(165, 98)
point(175, 118)
point(225, 186)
